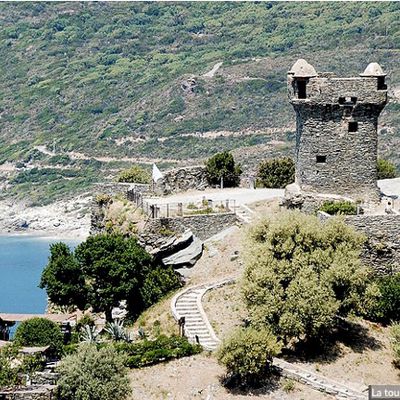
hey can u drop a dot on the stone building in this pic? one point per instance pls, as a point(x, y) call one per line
point(336, 136)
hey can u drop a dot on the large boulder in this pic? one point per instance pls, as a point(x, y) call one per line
point(186, 257)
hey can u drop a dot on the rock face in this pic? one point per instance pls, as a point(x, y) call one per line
point(182, 179)
point(186, 257)
point(179, 250)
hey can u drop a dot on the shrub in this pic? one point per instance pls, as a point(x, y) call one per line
point(8, 373)
point(222, 165)
point(383, 297)
point(247, 354)
point(386, 169)
point(395, 341)
point(39, 332)
point(134, 174)
point(149, 352)
point(95, 374)
point(339, 207)
point(275, 173)
point(300, 274)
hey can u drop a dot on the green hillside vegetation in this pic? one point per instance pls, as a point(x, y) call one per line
point(80, 77)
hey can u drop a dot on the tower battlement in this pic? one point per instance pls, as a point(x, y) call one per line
point(336, 135)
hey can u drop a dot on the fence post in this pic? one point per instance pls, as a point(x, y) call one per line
point(227, 205)
point(167, 210)
point(180, 209)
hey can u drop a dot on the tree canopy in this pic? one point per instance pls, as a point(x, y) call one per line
point(276, 173)
point(105, 269)
point(222, 166)
point(302, 273)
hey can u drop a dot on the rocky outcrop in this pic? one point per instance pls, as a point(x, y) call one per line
point(186, 257)
point(179, 250)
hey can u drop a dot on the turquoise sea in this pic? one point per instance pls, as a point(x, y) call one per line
point(22, 259)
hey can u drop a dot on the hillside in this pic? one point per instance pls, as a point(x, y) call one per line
point(85, 85)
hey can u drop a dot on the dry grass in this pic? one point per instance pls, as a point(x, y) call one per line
point(199, 377)
point(158, 319)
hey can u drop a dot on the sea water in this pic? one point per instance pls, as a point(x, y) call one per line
point(22, 259)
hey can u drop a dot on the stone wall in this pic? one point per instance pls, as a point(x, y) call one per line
point(45, 392)
point(113, 188)
point(202, 226)
point(332, 155)
point(182, 179)
point(382, 249)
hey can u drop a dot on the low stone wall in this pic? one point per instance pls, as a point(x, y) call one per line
point(182, 179)
point(318, 382)
point(382, 249)
point(202, 226)
point(45, 392)
point(113, 188)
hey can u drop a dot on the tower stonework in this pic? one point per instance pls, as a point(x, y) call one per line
point(336, 135)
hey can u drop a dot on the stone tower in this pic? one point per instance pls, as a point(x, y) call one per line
point(336, 135)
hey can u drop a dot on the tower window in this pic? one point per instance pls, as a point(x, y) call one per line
point(301, 89)
point(321, 159)
point(342, 100)
point(353, 126)
point(381, 83)
point(353, 100)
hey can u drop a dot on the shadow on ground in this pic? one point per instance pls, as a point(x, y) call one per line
point(257, 388)
point(349, 334)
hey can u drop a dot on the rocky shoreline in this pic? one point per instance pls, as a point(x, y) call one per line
point(64, 219)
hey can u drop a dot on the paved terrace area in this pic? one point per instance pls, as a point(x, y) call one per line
point(390, 187)
point(240, 195)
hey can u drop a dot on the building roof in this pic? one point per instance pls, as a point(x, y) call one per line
point(373, 69)
point(24, 317)
point(34, 349)
point(302, 69)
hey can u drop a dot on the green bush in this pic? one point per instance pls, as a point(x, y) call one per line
point(383, 299)
point(149, 352)
point(39, 332)
point(386, 169)
point(301, 274)
point(134, 174)
point(275, 173)
point(395, 342)
point(339, 207)
point(8, 372)
point(222, 165)
point(247, 354)
point(93, 374)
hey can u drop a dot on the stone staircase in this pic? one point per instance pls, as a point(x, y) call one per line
point(244, 213)
point(198, 329)
point(187, 304)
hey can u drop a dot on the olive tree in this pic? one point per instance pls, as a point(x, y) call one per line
point(300, 274)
